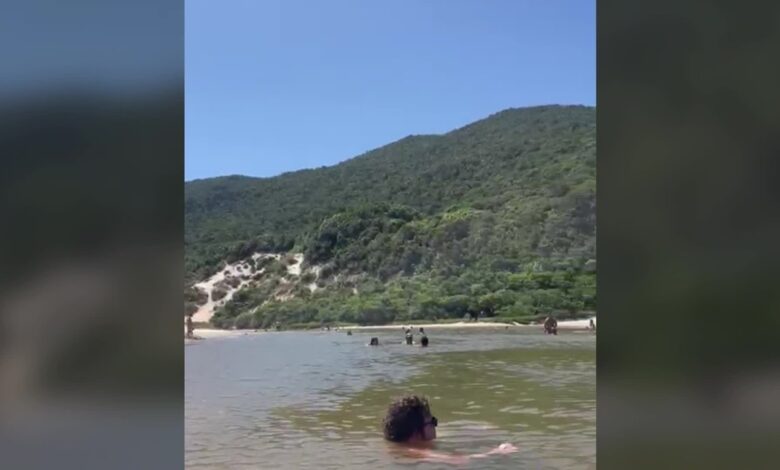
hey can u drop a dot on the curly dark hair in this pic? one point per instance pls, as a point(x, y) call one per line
point(405, 416)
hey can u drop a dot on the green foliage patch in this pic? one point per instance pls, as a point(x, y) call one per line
point(497, 216)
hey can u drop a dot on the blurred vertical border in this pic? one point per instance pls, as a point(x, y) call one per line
point(688, 234)
point(91, 230)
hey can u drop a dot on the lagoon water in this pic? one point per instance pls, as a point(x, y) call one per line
point(314, 400)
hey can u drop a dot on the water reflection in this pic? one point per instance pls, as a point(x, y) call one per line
point(316, 400)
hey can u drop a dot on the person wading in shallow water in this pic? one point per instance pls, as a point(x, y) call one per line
point(409, 422)
point(551, 326)
point(409, 337)
point(424, 339)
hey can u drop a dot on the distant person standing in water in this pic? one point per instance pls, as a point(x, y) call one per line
point(551, 325)
point(409, 337)
point(424, 339)
point(409, 422)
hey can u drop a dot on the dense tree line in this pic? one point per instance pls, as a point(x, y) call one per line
point(521, 296)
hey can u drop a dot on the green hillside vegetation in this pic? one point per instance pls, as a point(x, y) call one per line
point(524, 296)
point(496, 216)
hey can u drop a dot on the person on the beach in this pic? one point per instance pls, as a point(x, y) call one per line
point(190, 327)
point(592, 325)
point(409, 337)
point(409, 422)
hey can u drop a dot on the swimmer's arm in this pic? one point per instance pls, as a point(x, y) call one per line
point(505, 448)
point(427, 454)
point(431, 456)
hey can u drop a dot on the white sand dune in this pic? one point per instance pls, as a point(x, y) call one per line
point(243, 271)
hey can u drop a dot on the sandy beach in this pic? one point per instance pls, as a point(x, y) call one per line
point(205, 333)
point(429, 326)
point(562, 325)
point(575, 324)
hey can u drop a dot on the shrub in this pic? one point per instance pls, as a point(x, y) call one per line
point(218, 293)
point(195, 295)
point(276, 267)
point(244, 321)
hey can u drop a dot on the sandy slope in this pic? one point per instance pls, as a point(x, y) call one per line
point(243, 271)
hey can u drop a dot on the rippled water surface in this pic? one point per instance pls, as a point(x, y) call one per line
point(316, 399)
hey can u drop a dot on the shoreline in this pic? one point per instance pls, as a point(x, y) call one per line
point(431, 326)
point(562, 325)
point(206, 333)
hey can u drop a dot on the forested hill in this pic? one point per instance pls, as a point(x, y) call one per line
point(514, 192)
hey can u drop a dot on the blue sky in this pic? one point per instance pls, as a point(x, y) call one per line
point(275, 86)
